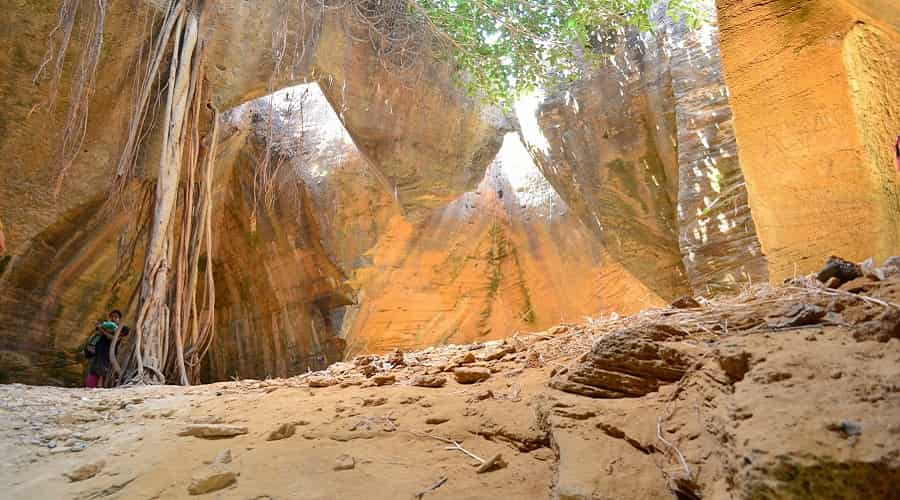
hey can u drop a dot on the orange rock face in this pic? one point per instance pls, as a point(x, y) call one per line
point(815, 95)
point(509, 256)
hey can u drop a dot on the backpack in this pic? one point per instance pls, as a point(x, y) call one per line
point(90, 348)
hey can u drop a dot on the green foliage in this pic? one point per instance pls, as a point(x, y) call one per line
point(510, 47)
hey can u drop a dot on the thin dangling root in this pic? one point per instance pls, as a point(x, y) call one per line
point(84, 82)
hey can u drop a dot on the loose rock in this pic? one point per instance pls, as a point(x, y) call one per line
point(384, 379)
point(282, 432)
point(209, 431)
point(85, 471)
point(470, 375)
point(395, 358)
point(685, 302)
point(429, 381)
point(322, 381)
point(211, 479)
point(344, 462)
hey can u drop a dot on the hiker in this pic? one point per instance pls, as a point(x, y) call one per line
point(97, 349)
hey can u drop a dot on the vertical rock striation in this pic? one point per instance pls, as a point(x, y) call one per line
point(717, 235)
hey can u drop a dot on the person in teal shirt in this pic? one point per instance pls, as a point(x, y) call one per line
point(100, 366)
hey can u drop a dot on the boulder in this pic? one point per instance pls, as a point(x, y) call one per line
point(621, 365)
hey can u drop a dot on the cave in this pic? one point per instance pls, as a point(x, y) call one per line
point(369, 249)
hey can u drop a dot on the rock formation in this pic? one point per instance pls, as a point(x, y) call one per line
point(814, 101)
point(413, 228)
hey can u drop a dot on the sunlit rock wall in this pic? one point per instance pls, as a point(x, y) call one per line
point(607, 144)
point(275, 284)
point(717, 235)
point(643, 150)
point(815, 99)
point(60, 265)
point(509, 256)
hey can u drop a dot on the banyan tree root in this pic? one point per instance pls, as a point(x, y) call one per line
point(170, 335)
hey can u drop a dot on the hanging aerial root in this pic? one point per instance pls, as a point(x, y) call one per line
point(85, 76)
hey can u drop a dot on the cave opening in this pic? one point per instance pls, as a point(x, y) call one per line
point(312, 200)
point(443, 248)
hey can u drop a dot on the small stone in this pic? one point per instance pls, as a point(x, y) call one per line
point(282, 432)
point(437, 420)
point(494, 354)
point(686, 302)
point(833, 282)
point(847, 428)
point(471, 375)
point(836, 374)
point(368, 370)
point(395, 358)
point(344, 462)
point(485, 394)
point(798, 314)
point(224, 457)
point(543, 454)
point(734, 361)
point(374, 401)
point(384, 379)
point(429, 381)
point(213, 431)
point(465, 359)
point(209, 480)
point(363, 360)
point(493, 463)
point(556, 330)
point(85, 471)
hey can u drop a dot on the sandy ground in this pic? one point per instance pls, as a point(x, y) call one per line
point(811, 411)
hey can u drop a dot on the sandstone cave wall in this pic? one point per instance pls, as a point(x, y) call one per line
point(64, 261)
point(814, 97)
point(644, 151)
